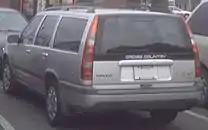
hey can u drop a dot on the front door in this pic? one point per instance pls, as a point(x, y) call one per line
point(21, 57)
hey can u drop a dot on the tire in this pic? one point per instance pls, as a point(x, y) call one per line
point(204, 76)
point(1, 69)
point(53, 105)
point(8, 79)
point(163, 116)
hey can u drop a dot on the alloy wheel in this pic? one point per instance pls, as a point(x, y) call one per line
point(52, 103)
point(6, 78)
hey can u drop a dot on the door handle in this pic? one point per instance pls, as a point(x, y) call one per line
point(28, 51)
point(44, 54)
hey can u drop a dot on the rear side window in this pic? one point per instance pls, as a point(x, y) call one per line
point(199, 20)
point(69, 34)
point(30, 31)
point(132, 34)
point(46, 31)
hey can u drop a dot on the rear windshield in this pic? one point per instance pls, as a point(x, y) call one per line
point(127, 34)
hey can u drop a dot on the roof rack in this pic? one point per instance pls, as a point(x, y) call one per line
point(89, 9)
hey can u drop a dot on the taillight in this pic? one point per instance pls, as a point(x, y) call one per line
point(195, 51)
point(88, 54)
point(196, 59)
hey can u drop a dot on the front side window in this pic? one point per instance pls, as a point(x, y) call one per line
point(46, 31)
point(198, 21)
point(29, 32)
point(69, 34)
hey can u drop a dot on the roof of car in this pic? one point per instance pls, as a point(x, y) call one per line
point(101, 11)
point(7, 9)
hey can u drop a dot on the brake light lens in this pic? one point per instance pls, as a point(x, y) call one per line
point(197, 61)
point(88, 54)
point(195, 51)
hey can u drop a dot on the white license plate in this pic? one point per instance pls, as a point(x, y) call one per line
point(145, 72)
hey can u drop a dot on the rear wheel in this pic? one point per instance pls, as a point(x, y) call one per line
point(204, 76)
point(164, 116)
point(204, 73)
point(53, 108)
point(1, 69)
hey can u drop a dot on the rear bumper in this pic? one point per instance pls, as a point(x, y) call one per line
point(94, 102)
point(179, 101)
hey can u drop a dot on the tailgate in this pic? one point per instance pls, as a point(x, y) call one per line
point(143, 50)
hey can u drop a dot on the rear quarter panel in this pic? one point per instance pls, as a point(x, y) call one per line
point(65, 64)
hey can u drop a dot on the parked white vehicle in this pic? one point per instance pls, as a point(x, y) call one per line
point(198, 22)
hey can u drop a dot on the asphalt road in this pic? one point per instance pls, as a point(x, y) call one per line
point(26, 112)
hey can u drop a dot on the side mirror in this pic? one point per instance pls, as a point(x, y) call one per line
point(13, 39)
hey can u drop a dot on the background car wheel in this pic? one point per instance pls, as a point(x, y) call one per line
point(204, 75)
point(163, 116)
point(53, 109)
point(9, 81)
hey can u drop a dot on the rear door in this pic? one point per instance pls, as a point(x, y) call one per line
point(148, 50)
point(39, 53)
